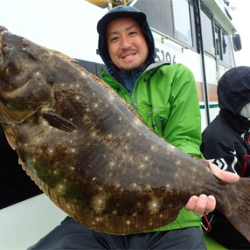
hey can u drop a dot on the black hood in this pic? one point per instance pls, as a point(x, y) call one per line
point(123, 11)
point(233, 95)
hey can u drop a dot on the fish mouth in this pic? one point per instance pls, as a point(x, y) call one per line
point(2, 31)
point(17, 92)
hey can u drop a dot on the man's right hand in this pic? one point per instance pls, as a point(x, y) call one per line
point(205, 203)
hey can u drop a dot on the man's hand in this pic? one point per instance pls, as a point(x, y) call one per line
point(205, 203)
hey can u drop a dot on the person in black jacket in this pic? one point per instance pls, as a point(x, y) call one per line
point(226, 142)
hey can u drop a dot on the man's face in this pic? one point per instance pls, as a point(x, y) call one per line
point(127, 46)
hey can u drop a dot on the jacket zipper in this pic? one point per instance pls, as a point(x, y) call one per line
point(136, 85)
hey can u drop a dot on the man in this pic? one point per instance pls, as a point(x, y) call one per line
point(226, 142)
point(161, 93)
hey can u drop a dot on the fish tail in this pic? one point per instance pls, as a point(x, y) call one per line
point(237, 206)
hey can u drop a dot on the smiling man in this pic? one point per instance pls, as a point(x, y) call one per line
point(166, 97)
point(127, 46)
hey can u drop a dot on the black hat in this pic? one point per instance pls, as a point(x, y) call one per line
point(121, 11)
point(117, 12)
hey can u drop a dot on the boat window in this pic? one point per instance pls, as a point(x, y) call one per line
point(218, 44)
point(227, 50)
point(207, 32)
point(159, 14)
point(182, 21)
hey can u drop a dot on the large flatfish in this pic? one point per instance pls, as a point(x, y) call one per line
point(92, 153)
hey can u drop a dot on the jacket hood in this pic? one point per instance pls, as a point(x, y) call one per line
point(234, 94)
point(117, 12)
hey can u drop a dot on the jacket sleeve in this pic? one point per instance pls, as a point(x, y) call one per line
point(183, 128)
point(221, 152)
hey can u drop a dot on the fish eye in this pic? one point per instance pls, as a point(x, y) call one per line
point(6, 51)
point(25, 42)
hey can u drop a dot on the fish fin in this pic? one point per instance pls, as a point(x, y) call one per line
point(8, 137)
point(101, 83)
point(57, 121)
point(63, 56)
point(203, 161)
point(237, 207)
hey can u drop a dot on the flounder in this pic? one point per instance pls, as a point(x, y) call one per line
point(92, 153)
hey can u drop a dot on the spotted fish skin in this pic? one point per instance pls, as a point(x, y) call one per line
point(92, 153)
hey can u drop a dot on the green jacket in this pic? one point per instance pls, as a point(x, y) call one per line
point(166, 97)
